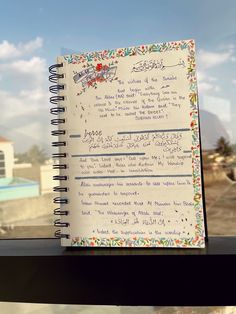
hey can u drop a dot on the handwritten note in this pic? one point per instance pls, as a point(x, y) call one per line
point(133, 147)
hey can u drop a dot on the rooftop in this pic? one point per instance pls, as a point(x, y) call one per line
point(3, 139)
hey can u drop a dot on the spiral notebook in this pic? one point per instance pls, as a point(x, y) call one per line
point(127, 123)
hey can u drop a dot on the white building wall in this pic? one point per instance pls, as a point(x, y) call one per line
point(46, 178)
point(7, 149)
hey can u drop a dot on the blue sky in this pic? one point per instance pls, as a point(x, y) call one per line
point(33, 33)
point(92, 25)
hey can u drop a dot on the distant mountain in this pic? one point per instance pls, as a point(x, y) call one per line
point(211, 129)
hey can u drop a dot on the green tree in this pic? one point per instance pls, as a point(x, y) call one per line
point(34, 155)
point(223, 147)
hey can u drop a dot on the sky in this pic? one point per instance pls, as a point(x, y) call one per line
point(33, 33)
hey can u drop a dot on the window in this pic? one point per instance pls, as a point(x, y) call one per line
point(29, 47)
point(2, 165)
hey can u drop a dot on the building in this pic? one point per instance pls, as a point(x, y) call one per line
point(13, 187)
point(6, 158)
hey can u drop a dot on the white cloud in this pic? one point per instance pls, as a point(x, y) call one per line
point(204, 86)
point(206, 82)
point(20, 73)
point(25, 117)
point(31, 46)
point(9, 50)
point(212, 79)
point(200, 75)
point(24, 95)
point(36, 95)
point(34, 65)
point(234, 81)
point(20, 66)
point(217, 88)
point(25, 103)
point(31, 73)
point(209, 59)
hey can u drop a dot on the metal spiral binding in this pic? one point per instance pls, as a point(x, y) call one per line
point(55, 100)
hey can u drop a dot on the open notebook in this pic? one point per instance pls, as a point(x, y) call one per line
point(129, 147)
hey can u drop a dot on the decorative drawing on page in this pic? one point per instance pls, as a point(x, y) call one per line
point(91, 75)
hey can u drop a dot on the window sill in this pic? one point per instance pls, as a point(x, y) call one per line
point(40, 271)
